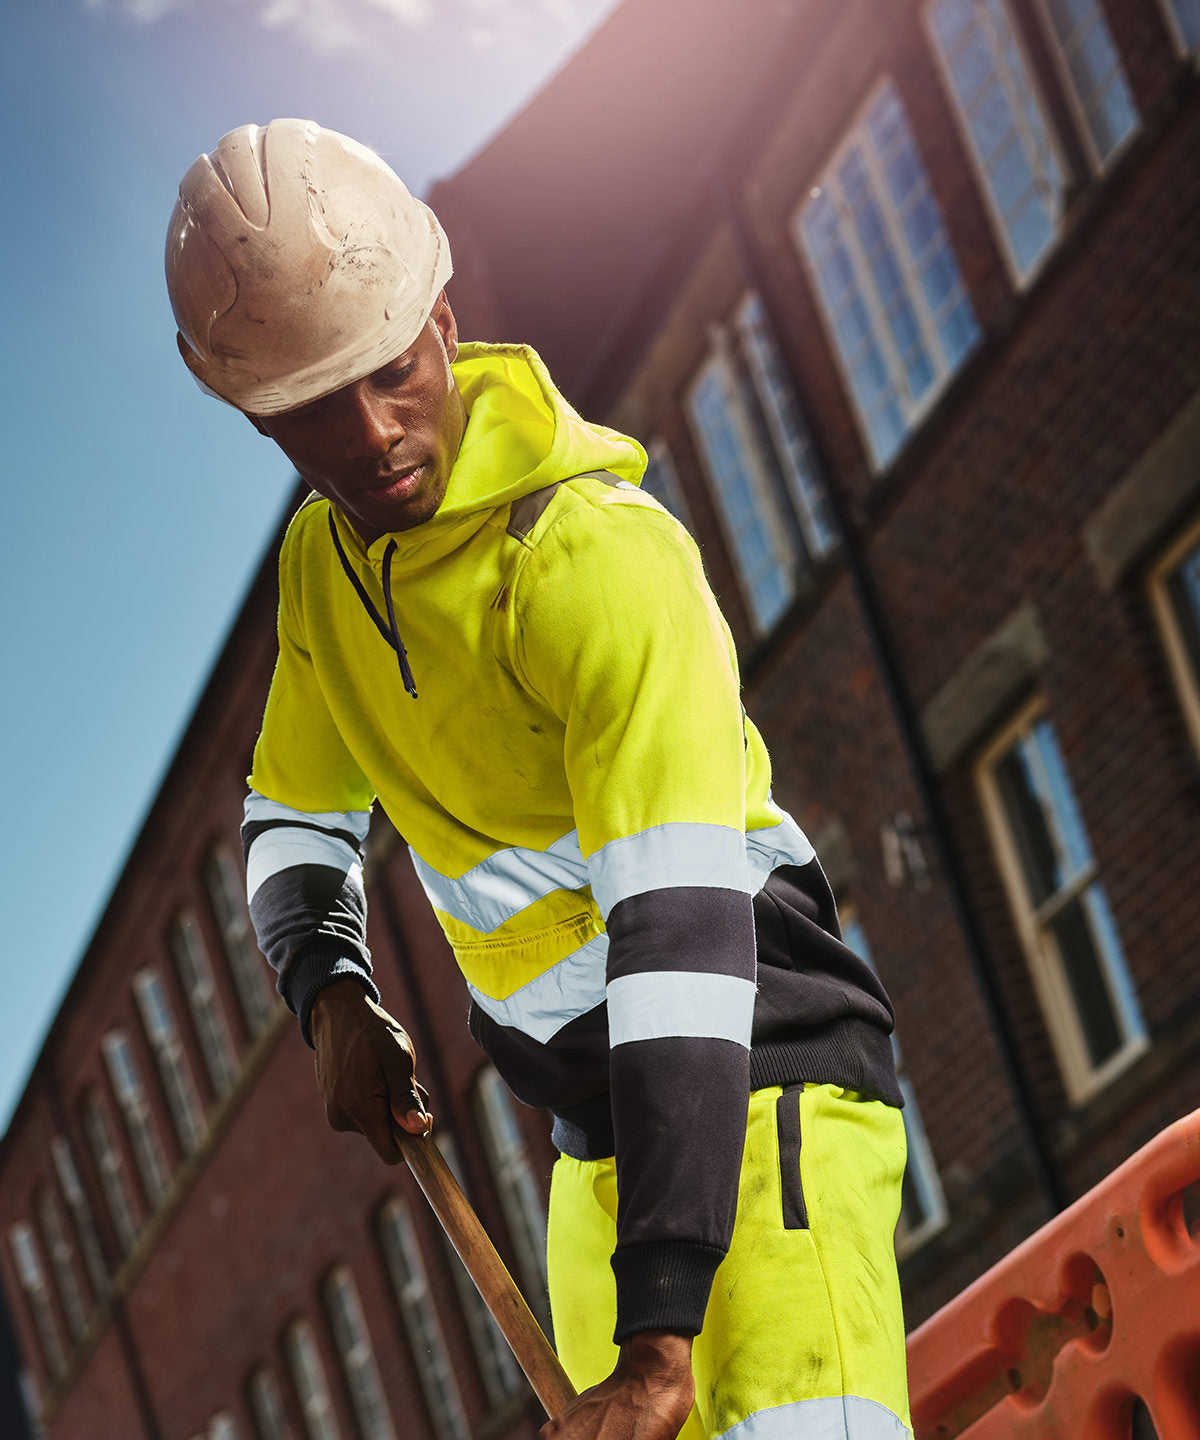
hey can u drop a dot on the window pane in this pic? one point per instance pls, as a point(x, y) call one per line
point(163, 1034)
point(1095, 72)
point(32, 1278)
point(85, 1224)
point(227, 892)
point(62, 1259)
point(1187, 14)
point(520, 1195)
point(312, 1388)
point(208, 1015)
point(428, 1344)
point(358, 1358)
point(994, 94)
point(662, 481)
point(111, 1165)
point(1085, 976)
point(757, 538)
point(139, 1120)
point(266, 1405)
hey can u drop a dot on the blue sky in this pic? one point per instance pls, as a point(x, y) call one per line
point(136, 511)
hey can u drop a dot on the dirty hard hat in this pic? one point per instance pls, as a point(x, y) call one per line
point(297, 262)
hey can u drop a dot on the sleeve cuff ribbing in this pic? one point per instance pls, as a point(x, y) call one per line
point(663, 1285)
point(315, 969)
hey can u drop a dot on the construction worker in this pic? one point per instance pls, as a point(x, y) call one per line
point(485, 625)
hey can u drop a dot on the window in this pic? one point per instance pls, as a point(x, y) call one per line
point(173, 1066)
point(312, 1389)
point(111, 1164)
point(205, 1004)
point(662, 481)
point(358, 1358)
point(227, 892)
point(520, 1196)
point(501, 1373)
point(32, 1278)
point(922, 1206)
point(85, 1223)
point(1094, 76)
point(759, 459)
point(222, 1427)
point(1175, 594)
point(266, 1405)
point(139, 1121)
point(424, 1329)
point(1007, 133)
point(1184, 19)
point(1060, 905)
point(887, 281)
point(62, 1259)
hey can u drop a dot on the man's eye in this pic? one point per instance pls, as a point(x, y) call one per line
point(397, 376)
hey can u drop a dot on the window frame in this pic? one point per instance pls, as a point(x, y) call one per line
point(56, 1242)
point(226, 891)
point(1100, 165)
point(1184, 671)
point(356, 1352)
point(34, 1283)
point(193, 965)
point(1034, 926)
point(310, 1380)
point(71, 1185)
point(1021, 279)
point(170, 1054)
point(141, 1123)
point(924, 1172)
point(1178, 38)
point(422, 1322)
point(516, 1186)
point(660, 460)
point(264, 1399)
point(914, 412)
point(124, 1212)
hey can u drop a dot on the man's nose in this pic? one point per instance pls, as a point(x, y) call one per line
point(372, 424)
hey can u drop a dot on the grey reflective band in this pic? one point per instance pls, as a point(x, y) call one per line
point(666, 856)
point(280, 849)
point(505, 883)
point(559, 995)
point(833, 1417)
point(258, 808)
point(661, 1004)
point(782, 844)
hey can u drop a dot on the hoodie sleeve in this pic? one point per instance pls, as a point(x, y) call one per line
point(621, 635)
point(304, 832)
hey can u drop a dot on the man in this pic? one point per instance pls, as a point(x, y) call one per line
point(485, 625)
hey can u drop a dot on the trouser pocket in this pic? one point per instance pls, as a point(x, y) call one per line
point(787, 1124)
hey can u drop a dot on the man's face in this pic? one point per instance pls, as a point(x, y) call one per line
point(382, 448)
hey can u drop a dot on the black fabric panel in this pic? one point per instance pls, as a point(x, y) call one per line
point(252, 829)
point(569, 1071)
point(787, 1125)
point(807, 979)
point(679, 1112)
point(699, 928)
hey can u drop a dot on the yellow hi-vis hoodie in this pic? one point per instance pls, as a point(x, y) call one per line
point(586, 805)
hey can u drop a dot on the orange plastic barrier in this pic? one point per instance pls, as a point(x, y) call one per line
point(1097, 1311)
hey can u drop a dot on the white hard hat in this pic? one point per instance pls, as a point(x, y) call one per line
point(297, 262)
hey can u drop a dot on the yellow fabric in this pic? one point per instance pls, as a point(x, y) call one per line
point(795, 1314)
point(511, 644)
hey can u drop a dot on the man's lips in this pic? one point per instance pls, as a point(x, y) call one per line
point(397, 485)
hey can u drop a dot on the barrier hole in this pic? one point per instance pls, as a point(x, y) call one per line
point(1014, 1379)
point(1141, 1427)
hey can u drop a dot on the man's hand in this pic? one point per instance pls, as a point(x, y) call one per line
point(366, 1069)
point(647, 1397)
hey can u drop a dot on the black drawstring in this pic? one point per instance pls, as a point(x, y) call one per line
point(392, 634)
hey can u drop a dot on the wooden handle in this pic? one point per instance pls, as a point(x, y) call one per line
point(517, 1324)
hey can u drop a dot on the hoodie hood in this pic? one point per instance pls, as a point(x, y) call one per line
point(521, 435)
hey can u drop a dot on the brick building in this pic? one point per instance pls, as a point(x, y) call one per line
point(905, 301)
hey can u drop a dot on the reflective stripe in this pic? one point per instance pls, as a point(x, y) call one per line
point(667, 855)
point(833, 1417)
point(570, 988)
point(258, 808)
point(505, 883)
point(782, 844)
point(662, 1003)
point(276, 850)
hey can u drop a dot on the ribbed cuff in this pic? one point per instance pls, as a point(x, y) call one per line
point(315, 969)
point(663, 1285)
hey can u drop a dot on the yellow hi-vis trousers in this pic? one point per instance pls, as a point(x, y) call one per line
point(803, 1337)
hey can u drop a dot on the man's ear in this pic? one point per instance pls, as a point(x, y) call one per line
point(447, 326)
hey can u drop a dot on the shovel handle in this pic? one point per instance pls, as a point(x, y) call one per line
point(500, 1293)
